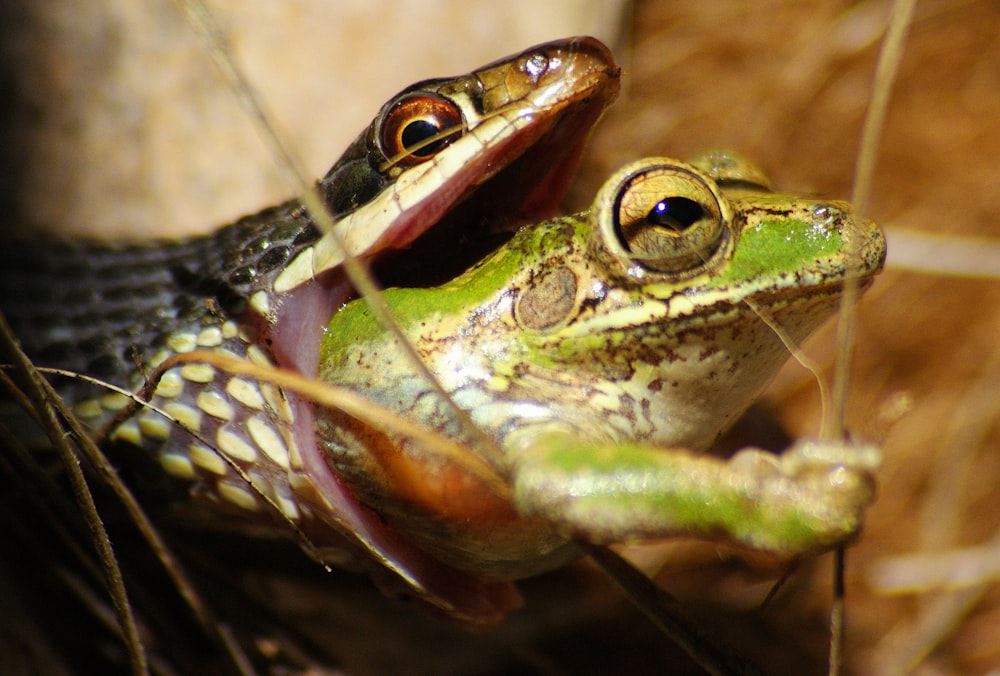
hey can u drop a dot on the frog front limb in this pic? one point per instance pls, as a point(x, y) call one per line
point(808, 499)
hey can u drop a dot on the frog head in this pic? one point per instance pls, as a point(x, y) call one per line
point(658, 314)
point(655, 317)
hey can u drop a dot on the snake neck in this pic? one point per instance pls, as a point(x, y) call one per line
point(102, 308)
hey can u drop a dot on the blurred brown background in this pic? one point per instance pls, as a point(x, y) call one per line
point(785, 82)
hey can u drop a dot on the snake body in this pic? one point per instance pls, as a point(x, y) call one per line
point(98, 308)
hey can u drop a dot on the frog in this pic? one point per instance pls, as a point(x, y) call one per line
point(599, 356)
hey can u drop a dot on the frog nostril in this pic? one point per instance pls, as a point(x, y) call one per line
point(825, 215)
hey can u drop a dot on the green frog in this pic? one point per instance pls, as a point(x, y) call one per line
point(589, 361)
point(602, 354)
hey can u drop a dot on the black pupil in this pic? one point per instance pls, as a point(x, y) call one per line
point(417, 132)
point(676, 213)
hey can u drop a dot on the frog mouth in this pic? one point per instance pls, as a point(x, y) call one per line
point(826, 285)
point(800, 307)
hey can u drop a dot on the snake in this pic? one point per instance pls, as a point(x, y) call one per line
point(447, 168)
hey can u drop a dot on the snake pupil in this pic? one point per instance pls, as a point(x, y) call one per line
point(419, 131)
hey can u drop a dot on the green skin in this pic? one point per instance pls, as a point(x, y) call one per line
point(604, 368)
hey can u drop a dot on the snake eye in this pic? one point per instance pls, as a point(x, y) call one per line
point(668, 218)
point(418, 127)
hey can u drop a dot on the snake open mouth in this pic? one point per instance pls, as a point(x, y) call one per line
point(516, 174)
point(513, 167)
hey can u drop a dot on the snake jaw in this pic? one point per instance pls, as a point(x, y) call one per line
point(514, 168)
point(538, 118)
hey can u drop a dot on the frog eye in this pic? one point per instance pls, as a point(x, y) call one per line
point(417, 127)
point(668, 218)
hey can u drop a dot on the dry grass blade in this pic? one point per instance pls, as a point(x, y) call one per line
point(944, 255)
point(53, 413)
point(837, 610)
point(708, 651)
point(88, 449)
point(44, 494)
point(885, 74)
point(204, 22)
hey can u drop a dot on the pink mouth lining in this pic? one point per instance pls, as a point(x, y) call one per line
point(300, 318)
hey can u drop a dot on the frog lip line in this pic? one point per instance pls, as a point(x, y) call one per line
point(721, 311)
point(683, 306)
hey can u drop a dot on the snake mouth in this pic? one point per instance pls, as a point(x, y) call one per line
point(517, 174)
point(511, 163)
point(519, 177)
point(438, 219)
point(535, 177)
